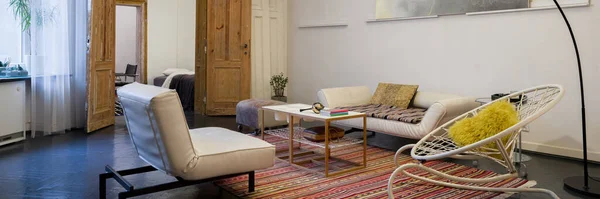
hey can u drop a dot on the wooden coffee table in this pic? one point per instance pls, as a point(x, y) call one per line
point(294, 134)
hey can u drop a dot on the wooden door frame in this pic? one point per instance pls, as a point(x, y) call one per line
point(200, 80)
point(142, 33)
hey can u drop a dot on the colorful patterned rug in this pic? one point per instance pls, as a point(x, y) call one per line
point(286, 181)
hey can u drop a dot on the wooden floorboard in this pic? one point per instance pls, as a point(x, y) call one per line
point(67, 165)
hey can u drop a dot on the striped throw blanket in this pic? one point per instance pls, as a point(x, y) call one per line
point(410, 115)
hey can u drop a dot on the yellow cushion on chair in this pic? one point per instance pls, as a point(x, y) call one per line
point(490, 121)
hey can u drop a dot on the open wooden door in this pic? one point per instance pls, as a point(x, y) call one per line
point(101, 65)
point(228, 55)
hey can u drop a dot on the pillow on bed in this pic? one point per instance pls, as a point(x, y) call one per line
point(170, 71)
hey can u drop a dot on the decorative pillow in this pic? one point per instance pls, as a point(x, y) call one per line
point(490, 121)
point(396, 95)
point(317, 134)
point(170, 71)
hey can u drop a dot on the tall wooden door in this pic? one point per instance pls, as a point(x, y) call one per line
point(101, 66)
point(228, 55)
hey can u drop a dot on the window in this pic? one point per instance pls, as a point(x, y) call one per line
point(10, 34)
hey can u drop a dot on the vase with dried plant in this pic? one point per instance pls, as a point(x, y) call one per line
point(278, 83)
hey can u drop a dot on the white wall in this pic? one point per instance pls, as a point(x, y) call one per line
point(126, 29)
point(186, 34)
point(171, 35)
point(10, 34)
point(467, 55)
point(162, 37)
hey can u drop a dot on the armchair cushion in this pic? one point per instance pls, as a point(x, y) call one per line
point(221, 151)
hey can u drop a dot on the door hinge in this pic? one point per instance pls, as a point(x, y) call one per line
point(205, 46)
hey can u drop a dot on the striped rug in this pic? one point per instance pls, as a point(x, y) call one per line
point(286, 181)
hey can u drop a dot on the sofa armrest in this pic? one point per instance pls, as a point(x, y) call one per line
point(344, 96)
point(445, 110)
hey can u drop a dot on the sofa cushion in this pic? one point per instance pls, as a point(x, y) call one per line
point(344, 96)
point(424, 99)
point(410, 115)
point(397, 95)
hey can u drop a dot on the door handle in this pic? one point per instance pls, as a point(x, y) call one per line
point(245, 46)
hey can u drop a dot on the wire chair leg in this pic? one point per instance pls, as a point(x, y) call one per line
point(399, 152)
point(460, 179)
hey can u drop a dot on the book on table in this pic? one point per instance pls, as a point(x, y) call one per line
point(334, 112)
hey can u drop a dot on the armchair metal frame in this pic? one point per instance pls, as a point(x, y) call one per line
point(131, 191)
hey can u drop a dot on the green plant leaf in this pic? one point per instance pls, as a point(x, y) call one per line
point(278, 83)
point(22, 11)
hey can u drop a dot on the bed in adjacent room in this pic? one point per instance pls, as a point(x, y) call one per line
point(182, 81)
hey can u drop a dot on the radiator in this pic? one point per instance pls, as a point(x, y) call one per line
point(12, 108)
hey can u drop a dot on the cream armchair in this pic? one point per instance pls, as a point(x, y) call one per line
point(440, 109)
point(160, 135)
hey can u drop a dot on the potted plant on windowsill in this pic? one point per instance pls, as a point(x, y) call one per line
point(31, 15)
point(278, 83)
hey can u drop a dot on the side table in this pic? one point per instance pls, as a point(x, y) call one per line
point(294, 134)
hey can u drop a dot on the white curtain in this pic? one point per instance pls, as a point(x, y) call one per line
point(57, 62)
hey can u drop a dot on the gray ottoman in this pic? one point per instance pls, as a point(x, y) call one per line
point(247, 114)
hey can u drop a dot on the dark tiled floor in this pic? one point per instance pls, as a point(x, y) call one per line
point(67, 166)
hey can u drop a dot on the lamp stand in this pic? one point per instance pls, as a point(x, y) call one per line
point(580, 184)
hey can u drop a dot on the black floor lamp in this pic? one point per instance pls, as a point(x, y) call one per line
point(580, 184)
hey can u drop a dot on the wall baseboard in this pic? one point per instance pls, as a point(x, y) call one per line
point(560, 151)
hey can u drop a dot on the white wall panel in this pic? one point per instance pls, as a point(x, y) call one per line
point(269, 44)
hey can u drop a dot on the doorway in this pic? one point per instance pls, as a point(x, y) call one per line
point(131, 42)
point(130, 39)
point(127, 50)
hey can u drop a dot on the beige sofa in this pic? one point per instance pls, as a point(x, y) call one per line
point(440, 109)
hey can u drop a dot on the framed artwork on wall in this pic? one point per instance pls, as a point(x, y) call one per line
point(386, 9)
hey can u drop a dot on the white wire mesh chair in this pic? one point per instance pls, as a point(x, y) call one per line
point(530, 104)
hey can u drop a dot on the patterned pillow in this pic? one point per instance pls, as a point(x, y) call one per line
point(397, 95)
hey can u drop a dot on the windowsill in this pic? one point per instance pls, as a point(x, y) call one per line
point(13, 79)
point(52, 75)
